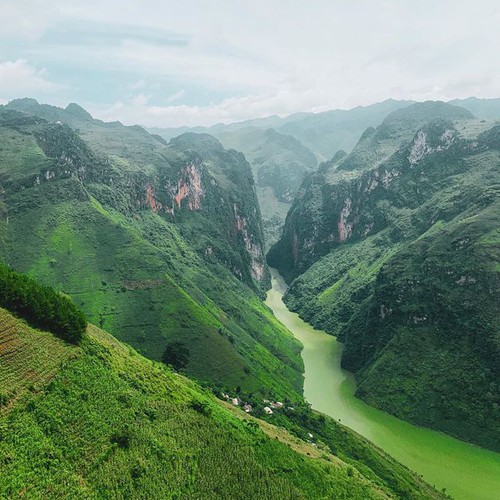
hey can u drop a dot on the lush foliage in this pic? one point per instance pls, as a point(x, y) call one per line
point(40, 305)
point(101, 421)
point(176, 355)
point(398, 254)
point(101, 206)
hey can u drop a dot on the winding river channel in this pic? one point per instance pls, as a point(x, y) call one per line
point(466, 471)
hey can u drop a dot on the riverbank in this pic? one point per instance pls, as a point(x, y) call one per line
point(466, 471)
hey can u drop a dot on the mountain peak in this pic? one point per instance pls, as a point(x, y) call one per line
point(78, 111)
point(421, 112)
point(192, 140)
point(24, 104)
point(339, 155)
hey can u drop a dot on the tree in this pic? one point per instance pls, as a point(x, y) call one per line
point(176, 355)
point(41, 306)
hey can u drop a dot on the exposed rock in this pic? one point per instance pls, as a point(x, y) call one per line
point(189, 187)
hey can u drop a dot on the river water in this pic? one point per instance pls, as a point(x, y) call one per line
point(466, 471)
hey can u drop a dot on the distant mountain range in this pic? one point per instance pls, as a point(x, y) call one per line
point(281, 150)
point(327, 132)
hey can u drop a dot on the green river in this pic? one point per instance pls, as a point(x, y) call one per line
point(466, 471)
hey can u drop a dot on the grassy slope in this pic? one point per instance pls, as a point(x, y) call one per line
point(101, 421)
point(124, 283)
point(136, 275)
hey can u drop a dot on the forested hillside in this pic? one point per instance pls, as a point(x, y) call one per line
point(395, 249)
point(157, 243)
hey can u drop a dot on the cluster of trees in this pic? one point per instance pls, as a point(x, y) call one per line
point(176, 355)
point(41, 306)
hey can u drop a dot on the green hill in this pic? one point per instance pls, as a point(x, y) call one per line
point(395, 250)
point(98, 420)
point(156, 243)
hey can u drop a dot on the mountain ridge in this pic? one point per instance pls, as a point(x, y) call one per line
point(159, 244)
point(352, 249)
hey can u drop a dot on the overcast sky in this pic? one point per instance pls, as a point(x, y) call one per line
point(199, 62)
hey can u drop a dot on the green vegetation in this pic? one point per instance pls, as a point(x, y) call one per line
point(177, 355)
point(101, 421)
point(40, 305)
point(90, 215)
point(395, 250)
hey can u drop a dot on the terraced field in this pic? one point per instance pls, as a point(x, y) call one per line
point(108, 423)
point(28, 358)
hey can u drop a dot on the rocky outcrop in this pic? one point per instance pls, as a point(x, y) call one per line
point(186, 193)
point(252, 246)
point(189, 187)
point(342, 201)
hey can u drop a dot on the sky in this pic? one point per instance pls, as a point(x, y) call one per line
point(200, 62)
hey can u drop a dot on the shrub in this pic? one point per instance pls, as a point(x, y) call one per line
point(121, 437)
point(4, 399)
point(201, 406)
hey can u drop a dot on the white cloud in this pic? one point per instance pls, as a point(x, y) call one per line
point(138, 85)
point(177, 95)
point(26, 19)
point(265, 56)
point(139, 100)
point(18, 78)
